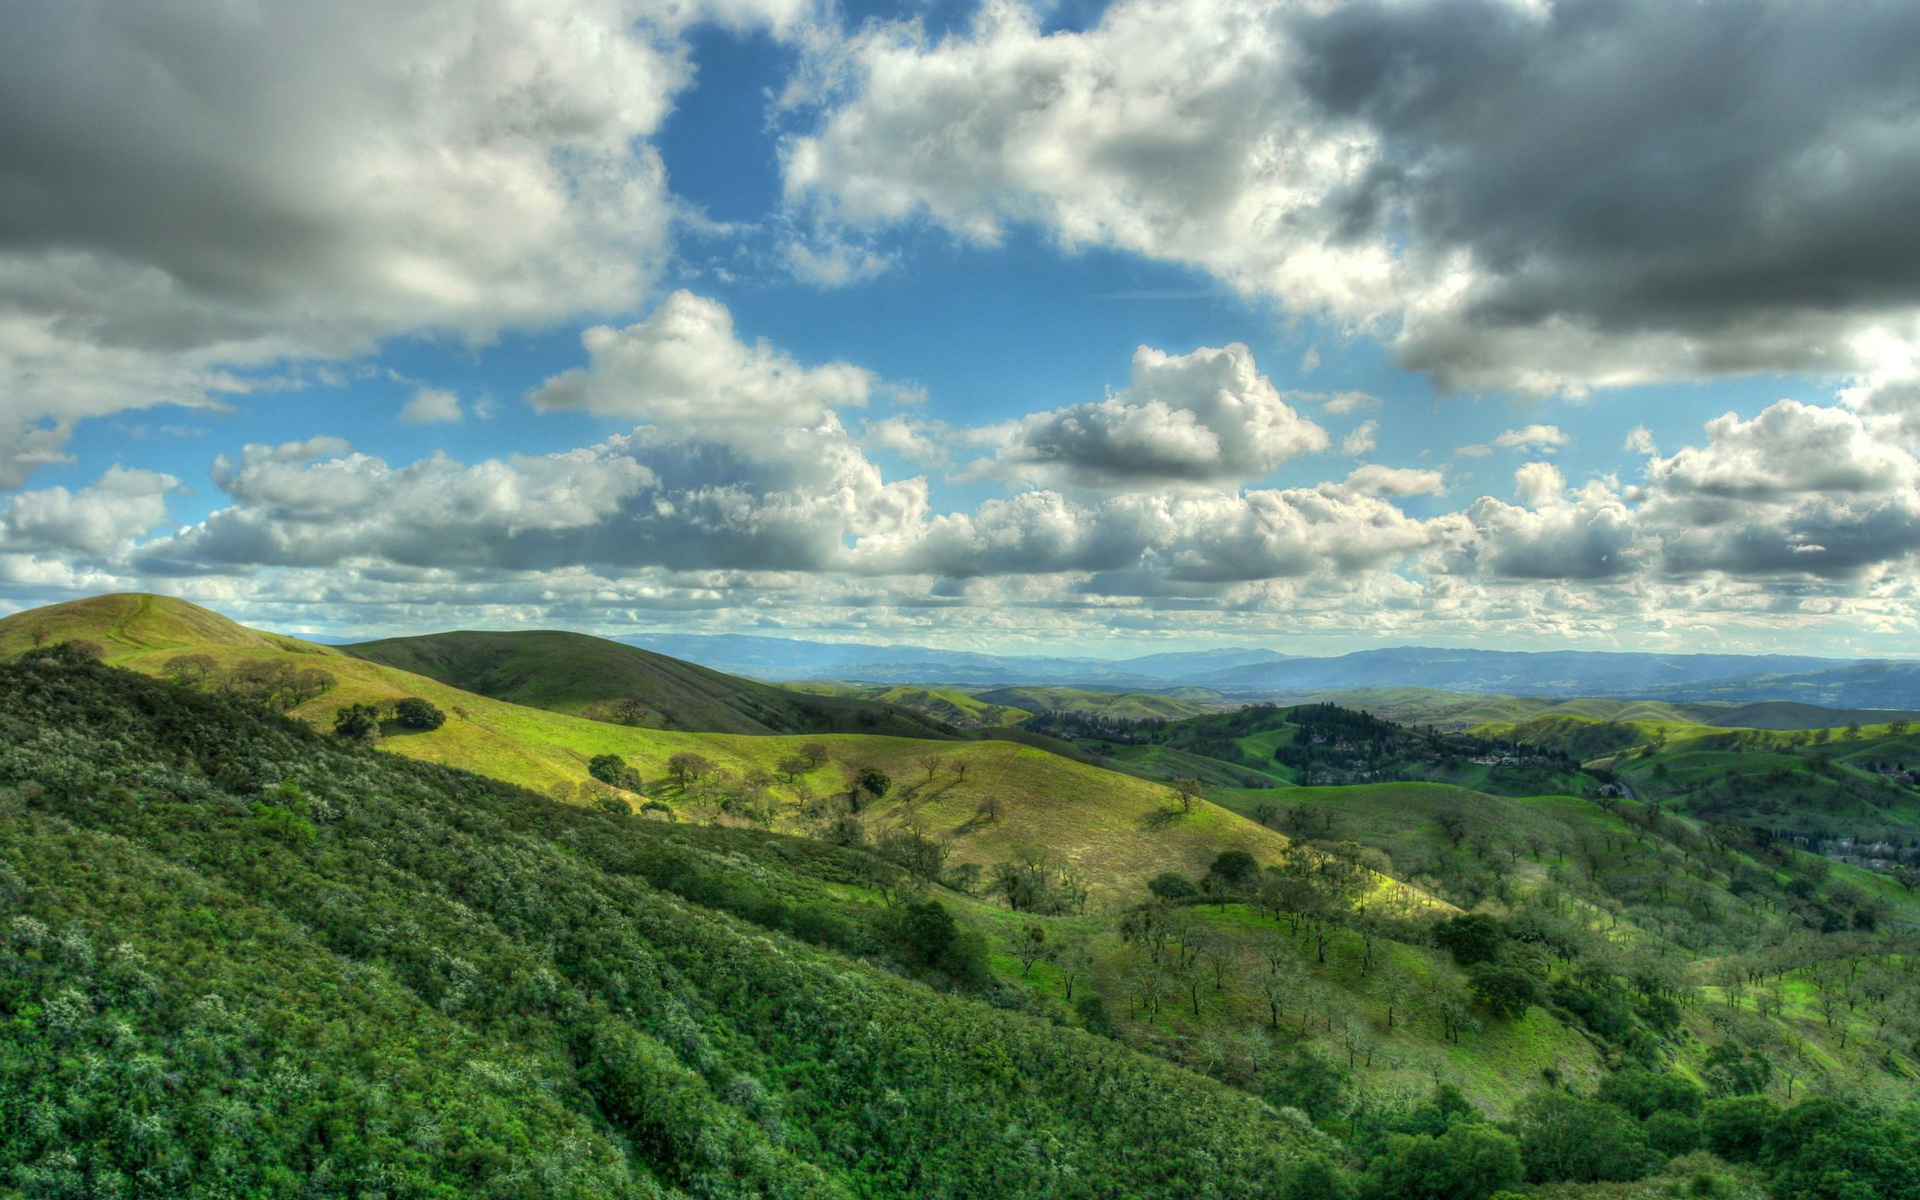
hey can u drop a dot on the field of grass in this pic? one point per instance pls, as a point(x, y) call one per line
point(949, 705)
point(1110, 824)
point(585, 676)
point(1119, 706)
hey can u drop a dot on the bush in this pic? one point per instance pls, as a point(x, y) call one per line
point(1171, 885)
point(612, 770)
point(1467, 1162)
point(1473, 938)
point(1508, 991)
point(1643, 1093)
point(1571, 1139)
point(415, 713)
point(1737, 1128)
point(1672, 1134)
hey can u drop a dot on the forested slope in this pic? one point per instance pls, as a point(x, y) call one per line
point(245, 959)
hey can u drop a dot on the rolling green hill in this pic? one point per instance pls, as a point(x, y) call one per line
point(549, 752)
point(1118, 706)
point(586, 676)
point(245, 959)
point(950, 706)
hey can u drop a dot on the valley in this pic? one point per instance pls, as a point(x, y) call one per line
point(1299, 936)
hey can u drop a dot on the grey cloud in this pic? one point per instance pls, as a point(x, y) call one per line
point(1516, 195)
point(186, 188)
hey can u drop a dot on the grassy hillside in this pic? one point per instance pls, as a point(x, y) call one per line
point(1119, 706)
point(549, 752)
point(950, 706)
point(608, 681)
point(244, 959)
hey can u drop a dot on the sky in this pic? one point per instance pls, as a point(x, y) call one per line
point(1098, 329)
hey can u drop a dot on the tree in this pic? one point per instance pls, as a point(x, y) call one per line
point(190, 670)
point(1279, 974)
point(1472, 938)
point(1738, 1128)
point(793, 767)
point(1507, 991)
point(930, 763)
point(1172, 885)
point(871, 781)
point(1470, 1161)
point(1072, 958)
point(1232, 871)
point(1642, 1092)
point(815, 753)
point(1570, 1139)
point(1030, 946)
point(415, 713)
point(356, 722)
point(1189, 792)
point(1396, 989)
point(686, 767)
point(612, 770)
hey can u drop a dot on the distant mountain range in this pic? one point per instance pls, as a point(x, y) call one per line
point(1255, 674)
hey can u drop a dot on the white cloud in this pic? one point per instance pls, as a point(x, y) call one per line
point(1361, 440)
point(431, 406)
point(1640, 441)
point(1546, 438)
point(1377, 480)
point(191, 188)
point(684, 365)
point(1208, 417)
point(99, 519)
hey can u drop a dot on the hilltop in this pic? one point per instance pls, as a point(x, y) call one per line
point(585, 676)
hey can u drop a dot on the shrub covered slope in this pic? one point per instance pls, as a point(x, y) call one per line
point(241, 958)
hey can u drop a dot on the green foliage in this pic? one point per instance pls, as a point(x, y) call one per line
point(1467, 1162)
point(1672, 1134)
point(1172, 885)
point(1233, 871)
point(1508, 992)
point(386, 977)
point(1310, 1082)
point(1568, 1138)
point(612, 770)
point(1827, 1149)
point(1642, 1093)
point(356, 722)
point(1736, 1070)
point(1739, 1128)
point(1472, 938)
point(415, 713)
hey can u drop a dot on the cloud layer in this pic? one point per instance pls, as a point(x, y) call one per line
point(1516, 195)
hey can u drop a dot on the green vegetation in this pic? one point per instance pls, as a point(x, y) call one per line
point(950, 706)
point(1097, 705)
point(608, 681)
point(242, 958)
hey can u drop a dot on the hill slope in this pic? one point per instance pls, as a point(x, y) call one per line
point(249, 960)
point(586, 676)
point(1040, 794)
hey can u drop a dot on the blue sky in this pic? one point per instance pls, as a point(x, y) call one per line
point(1157, 325)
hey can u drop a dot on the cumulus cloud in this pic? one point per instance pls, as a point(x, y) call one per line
point(1515, 195)
point(431, 406)
point(194, 193)
point(684, 364)
point(1208, 417)
point(96, 520)
point(1547, 438)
